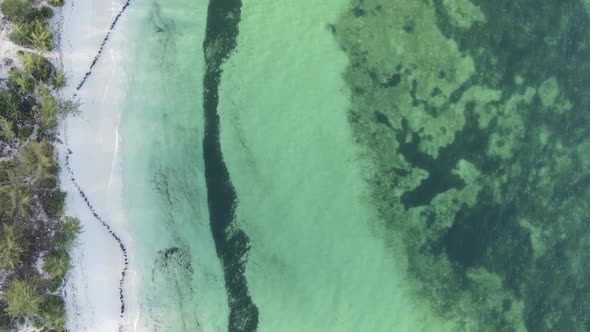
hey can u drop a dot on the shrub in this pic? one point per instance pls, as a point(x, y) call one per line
point(37, 66)
point(56, 265)
point(56, 2)
point(64, 239)
point(5, 321)
point(47, 111)
point(15, 10)
point(54, 168)
point(34, 14)
point(57, 260)
point(9, 105)
point(68, 107)
point(12, 247)
point(52, 313)
point(23, 298)
point(32, 34)
point(46, 12)
point(20, 200)
point(35, 159)
point(43, 134)
point(6, 131)
point(41, 37)
point(54, 284)
point(25, 132)
point(20, 34)
point(37, 323)
point(48, 183)
point(54, 204)
point(58, 80)
point(23, 84)
point(5, 168)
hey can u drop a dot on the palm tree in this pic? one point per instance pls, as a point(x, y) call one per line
point(56, 2)
point(16, 198)
point(65, 237)
point(20, 201)
point(52, 313)
point(56, 264)
point(23, 298)
point(31, 61)
point(67, 107)
point(24, 84)
point(48, 109)
point(6, 174)
point(9, 105)
point(12, 247)
point(43, 91)
point(58, 80)
point(6, 129)
point(40, 37)
point(35, 159)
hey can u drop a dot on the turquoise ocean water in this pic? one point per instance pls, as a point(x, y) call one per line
point(181, 285)
point(359, 165)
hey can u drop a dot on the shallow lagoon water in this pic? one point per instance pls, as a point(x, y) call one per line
point(181, 286)
point(317, 261)
point(391, 165)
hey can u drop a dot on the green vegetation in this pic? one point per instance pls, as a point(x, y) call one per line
point(20, 200)
point(52, 313)
point(33, 34)
point(5, 320)
point(48, 112)
point(23, 297)
point(6, 132)
point(65, 237)
point(54, 204)
point(36, 160)
point(29, 115)
point(52, 110)
point(25, 300)
point(23, 83)
point(56, 264)
point(58, 80)
point(36, 66)
point(56, 2)
point(28, 26)
point(57, 260)
point(46, 12)
point(12, 247)
point(16, 10)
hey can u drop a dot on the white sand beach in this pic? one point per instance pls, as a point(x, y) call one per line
point(7, 49)
point(92, 287)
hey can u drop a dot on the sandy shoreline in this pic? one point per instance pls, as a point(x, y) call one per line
point(92, 290)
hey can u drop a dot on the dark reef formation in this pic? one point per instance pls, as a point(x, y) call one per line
point(475, 116)
point(231, 243)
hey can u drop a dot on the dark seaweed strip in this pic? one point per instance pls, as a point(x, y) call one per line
point(231, 243)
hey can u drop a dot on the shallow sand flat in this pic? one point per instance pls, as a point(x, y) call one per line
point(317, 261)
point(7, 50)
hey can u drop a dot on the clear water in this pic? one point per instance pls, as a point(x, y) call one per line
point(391, 165)
point(181, 284)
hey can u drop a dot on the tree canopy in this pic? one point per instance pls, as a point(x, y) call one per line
point(12, 247)
point(23, 298)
